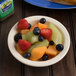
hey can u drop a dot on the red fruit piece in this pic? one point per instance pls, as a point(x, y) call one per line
point(24, 45)
point(46, 33)
point(22, 24)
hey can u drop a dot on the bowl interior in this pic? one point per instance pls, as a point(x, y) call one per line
point(33, 20)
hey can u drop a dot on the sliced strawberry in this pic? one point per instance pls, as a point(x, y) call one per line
point(22, 24)
point(46, 33)
point(24, 45)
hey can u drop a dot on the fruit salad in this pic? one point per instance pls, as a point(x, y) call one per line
point(39, 42)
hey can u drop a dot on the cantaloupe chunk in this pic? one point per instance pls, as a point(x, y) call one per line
point(19, 50)
point(32, 28)
point(37, 53)
point(24, 31)
point(42, 26)
point(19, 30)
point(52, 51)
point(50, 56)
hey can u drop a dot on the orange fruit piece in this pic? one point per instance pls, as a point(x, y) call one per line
point(37, 53)
point(50, 56)
point(32, 28)
point(24, 31)
point(19, 50)
point(51, 51)
point(42, 26)
point(18, 30)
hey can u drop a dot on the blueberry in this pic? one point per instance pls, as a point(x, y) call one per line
point(59, 47)
point(36, 31)
point(51, 43)
point(45, 57)
point(29, 26)
point(17, 37)
point(42, 20)
point(27, 55)
point(41, 38)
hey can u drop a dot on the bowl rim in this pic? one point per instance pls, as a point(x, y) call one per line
point(52, 61)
